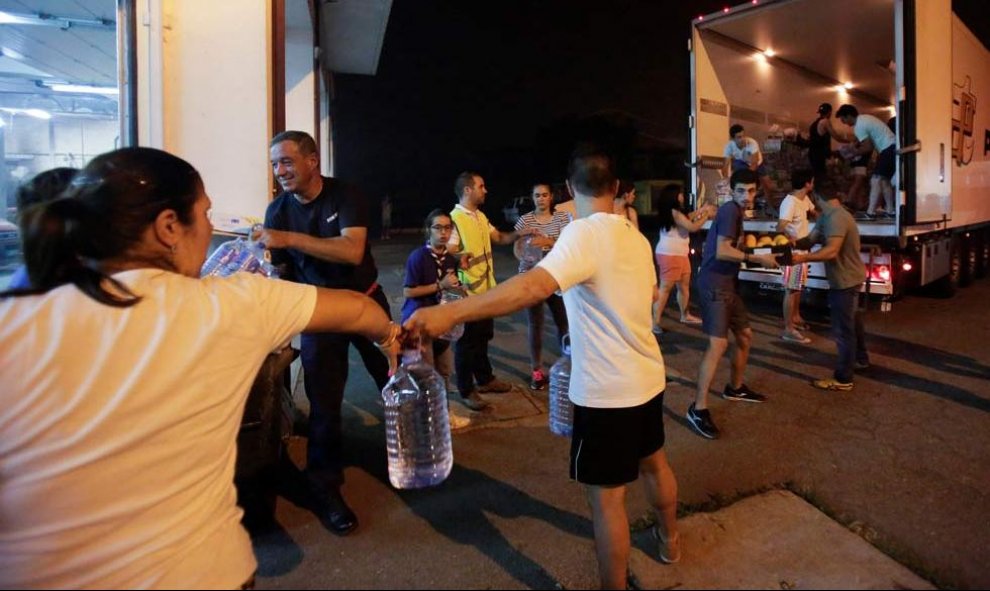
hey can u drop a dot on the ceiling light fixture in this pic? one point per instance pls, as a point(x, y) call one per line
point(769, 52)
point(84, 89)
point(12, 54)
point(38, 113)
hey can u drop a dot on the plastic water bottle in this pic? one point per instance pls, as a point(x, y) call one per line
point(238, 255)
point(561, 408)
point(417, 428)
point(448, 296)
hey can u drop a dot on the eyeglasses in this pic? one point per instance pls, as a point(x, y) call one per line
point(442, 228)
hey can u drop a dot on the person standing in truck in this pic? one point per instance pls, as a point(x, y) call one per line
point(873, 134)
point(743, 153)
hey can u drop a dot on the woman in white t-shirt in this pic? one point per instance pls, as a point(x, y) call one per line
point(673, 252)
point(123, 382)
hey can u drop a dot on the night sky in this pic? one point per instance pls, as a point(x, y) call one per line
point(501, 88)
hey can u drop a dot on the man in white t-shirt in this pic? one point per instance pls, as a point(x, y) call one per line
point(873, 134)
point(743, 152)
point(605, 269)
point(793, 223)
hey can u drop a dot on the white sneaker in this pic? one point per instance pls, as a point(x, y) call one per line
point(458, 421)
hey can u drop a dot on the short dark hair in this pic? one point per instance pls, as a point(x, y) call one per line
point(625, 187)
point(800, 177)
point(431, 217)
point(847, 111)
point(590, 172)
point(743, 176)
point(735, 129)
point(44, 187)
point(306, 143)
point(542, 184)
point(824, 108)
point(465, 179)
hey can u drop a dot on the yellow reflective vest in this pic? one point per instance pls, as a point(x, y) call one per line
point(476, 239)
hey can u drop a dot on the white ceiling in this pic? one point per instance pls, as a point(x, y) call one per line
point(78, 54)
point(844, 40)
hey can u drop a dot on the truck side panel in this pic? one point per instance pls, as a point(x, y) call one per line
point(970, 153)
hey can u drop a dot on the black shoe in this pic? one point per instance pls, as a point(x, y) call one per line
point(743, 394)
point(335, 514)
point(701, 422)
point(862, 365)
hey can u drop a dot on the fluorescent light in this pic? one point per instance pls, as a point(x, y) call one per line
point(38, 113)
point(8, 52)
point(84, 88)
point(8, 18)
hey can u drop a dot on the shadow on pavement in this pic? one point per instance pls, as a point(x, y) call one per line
point(459, 510)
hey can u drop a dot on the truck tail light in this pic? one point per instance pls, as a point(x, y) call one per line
point(880, 273)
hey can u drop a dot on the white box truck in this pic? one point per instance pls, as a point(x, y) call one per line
point(769, 64)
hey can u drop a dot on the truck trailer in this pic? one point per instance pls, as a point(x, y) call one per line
point(769, 64)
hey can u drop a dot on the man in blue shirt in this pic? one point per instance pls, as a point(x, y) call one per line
point(722, 308)
point(318, 233)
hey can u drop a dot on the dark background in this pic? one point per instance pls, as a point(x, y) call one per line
point(507, 88)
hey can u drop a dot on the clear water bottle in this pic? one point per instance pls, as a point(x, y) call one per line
point(448, 296)
point(236, 256)
point(561, 408)
point(417, 428)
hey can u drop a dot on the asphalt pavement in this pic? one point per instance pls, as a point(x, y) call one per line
point(902, 462)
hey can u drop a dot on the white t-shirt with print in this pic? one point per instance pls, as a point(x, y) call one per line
point(118, 429)
point(750, 147)
point(794, 212)
point(868, 126)
point(604, 266)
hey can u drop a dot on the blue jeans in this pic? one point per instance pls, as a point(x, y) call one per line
point(847, 324)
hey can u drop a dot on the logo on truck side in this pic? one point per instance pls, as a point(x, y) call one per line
point(964, 114)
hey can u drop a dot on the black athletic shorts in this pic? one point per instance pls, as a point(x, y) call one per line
point(608, 443)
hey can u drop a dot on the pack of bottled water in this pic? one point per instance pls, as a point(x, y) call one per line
point(417, 426)
point(236, 256)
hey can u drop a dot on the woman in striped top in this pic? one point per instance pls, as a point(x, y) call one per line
point(529, 250)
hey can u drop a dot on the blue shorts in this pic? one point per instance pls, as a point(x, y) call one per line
point(722, 309)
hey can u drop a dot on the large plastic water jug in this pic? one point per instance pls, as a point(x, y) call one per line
point(561, 415)
point(417, 427)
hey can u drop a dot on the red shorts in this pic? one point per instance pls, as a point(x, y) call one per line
point(673, 267)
